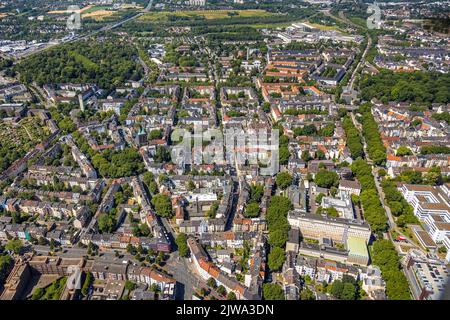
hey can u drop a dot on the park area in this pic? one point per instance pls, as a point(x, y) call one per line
point(17, 139)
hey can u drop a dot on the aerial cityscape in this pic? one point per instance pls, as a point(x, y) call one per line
point(224, 150)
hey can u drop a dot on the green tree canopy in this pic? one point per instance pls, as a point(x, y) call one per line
point(273, 291)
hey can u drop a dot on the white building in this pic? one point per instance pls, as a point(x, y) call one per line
point(197, 2)
point(431, 206)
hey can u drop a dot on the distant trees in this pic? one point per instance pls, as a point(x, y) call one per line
point(278, 229)
point(398, 205)
point(434, 150)
point(66, 125)
point(326, 179)
point(283, 150)
point(87, 283)
point(373, 210)
point(252, 210)
point(375, 146)
point(278, 237)
point(130, 285)
point(345, 289)
point(231, 296)
point(403, 151)
point(221, 290)
point(284, 180)
point(162, 204)
point(155, 134)
point(5, 264)
point(51, 292)
point(211, 282)
point(181, 242)
point(149, 180)
point(273, 291)
point(14, 245)
point(443, 116)
point(385, 256)
point(106, 223)
point(107, 64)
point(319, 198)
point(418, 86)
point(311, 130)
point(256, 192)
point(307, 294)
point(276, 258)
point(306, 156)
point(353, 138)
point(411, 177)
point(118, 163)
point(211, 213)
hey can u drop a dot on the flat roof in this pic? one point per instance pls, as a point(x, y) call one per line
point(425, 239)
point(357, 246)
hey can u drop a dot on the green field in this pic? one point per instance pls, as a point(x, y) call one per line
point(96, 8)
point(206, 14)
point(323, 27)
point(270, 25)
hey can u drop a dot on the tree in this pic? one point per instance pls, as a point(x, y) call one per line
point(105, 223)
point(442, 250)
point(433, 149)
point(348, 292)
point(256, 193)
point(319, 198)
point(149, 180)
point(336, 288)
point(144, 230)
point(5, 264)
point(278, 238)
point(14, 245)
point(252, 210)
point(38, 293)
point(306, 156)
point(284, 180)
point(403, 151)
point(307, 294)
point(326, 179)
point(162, 204)
point(276, 258)
point(433, 176)
point(155, 134)
point(284, 155)
point(86, 284)
point(221, 290)
point(131, 249)
point(273, 291)
point(181, 242)
point(129, 285)
point(211, 282)
point(190, 185)
point(66, 125)
point(231, 296)
point(385, 256)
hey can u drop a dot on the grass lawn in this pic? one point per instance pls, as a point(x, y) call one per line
point(359, 21)
point(86, 62)
point(323, 27)
point(207, 14)
point(269, 25)
point(91, 9)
